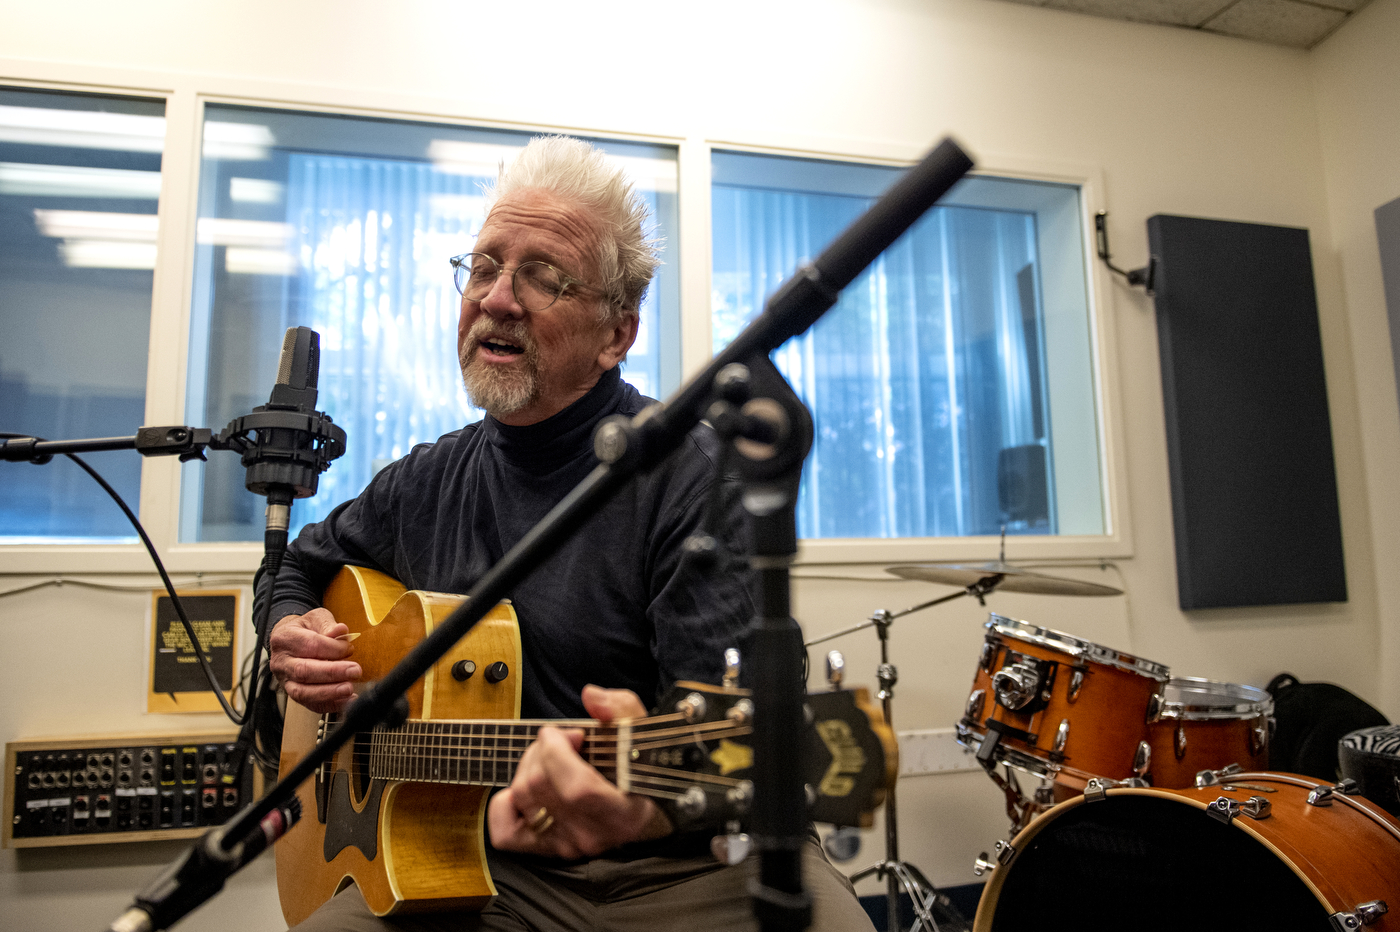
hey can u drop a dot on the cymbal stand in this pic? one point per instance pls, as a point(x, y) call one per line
point(899, 875)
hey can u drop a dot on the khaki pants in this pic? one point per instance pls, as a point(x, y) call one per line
point(646, 895)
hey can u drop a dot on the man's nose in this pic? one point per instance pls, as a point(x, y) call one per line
point(500, 300)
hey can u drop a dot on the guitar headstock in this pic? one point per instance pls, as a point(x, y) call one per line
point(696, 755)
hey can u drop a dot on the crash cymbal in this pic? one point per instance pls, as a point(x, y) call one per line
point(1012, 578)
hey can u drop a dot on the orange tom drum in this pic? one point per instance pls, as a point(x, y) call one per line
point(1205, 725)
point(1264, 852)
point(1058, 707)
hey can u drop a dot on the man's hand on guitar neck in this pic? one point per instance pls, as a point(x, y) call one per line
point(559, 805)
point(309, 656)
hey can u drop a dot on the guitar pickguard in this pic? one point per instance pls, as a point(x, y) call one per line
point(345, 826)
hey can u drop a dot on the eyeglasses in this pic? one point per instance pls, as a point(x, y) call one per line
point(536, 285)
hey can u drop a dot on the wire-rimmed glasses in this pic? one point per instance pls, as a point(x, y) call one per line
point(536, 285)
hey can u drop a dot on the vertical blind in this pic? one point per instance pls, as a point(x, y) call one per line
point(926, 371)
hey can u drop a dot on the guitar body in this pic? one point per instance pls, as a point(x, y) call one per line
point(409, 846)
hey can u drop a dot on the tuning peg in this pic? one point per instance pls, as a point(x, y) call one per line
point(835, 669)
point(731, 668)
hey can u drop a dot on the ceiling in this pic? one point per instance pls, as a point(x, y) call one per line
point(1299, 24)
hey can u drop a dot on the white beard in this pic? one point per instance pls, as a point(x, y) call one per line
point(498, 391)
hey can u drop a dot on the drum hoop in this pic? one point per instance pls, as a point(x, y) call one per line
point(1252, 700)
point(992, 893)
point(1077, 648)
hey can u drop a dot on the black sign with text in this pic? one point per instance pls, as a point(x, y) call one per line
point(175, 668)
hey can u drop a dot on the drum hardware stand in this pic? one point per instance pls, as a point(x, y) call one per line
point(898, 874)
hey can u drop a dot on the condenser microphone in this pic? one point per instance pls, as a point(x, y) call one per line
point(286, 444)
point(298, 370)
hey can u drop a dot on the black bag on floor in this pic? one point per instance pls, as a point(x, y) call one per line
point(1310, 718)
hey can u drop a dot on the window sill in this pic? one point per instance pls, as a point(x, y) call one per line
point(46, 560)
point(41, 560)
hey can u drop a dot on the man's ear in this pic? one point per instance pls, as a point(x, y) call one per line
point(622, 333)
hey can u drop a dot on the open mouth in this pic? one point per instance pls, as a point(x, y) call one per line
point(499, 348)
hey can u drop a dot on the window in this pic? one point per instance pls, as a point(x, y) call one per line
point(345, 225)
point(952, 385)
point(79, 184)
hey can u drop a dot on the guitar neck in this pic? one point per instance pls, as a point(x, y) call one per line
point(644, 756)
point(480, 753)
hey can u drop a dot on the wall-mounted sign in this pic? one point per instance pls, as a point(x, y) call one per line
point(177, 683)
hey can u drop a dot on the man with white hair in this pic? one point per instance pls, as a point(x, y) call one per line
point(550, 302)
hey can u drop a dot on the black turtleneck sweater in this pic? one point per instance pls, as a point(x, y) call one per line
point(616, 605)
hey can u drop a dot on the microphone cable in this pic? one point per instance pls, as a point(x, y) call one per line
point(209, 673)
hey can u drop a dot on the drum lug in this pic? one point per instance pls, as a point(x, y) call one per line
point(1154, 707)
point(1005, 852)
point(1142, 760)
point(1364, 914)
point(1206, 778)
point(1259, 737)
point(1096, 790)
point(974, 704)
point(1061, 737)
point(1322, 795)
point(1226, 810)
point(1179, 741)
point(989, 655)
point(1076, 681)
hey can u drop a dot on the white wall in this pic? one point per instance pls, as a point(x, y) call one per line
point(1358, 84)
point(1160, 120)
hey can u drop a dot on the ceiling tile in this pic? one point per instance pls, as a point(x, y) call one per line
point(1162, 12)
point(1281, 22)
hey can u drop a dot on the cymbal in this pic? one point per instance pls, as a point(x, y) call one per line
point(1012, 578)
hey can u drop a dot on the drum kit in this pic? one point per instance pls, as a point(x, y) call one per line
point(1122, 785)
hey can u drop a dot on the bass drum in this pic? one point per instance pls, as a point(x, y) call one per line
point(1157, 859)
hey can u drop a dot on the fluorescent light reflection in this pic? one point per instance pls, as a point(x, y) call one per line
point(242, 261)
point(255, 191)
point(92, 224)
point(221, 231)
point(95, 239)
point(25, 180)
point(107, 254)
point(240, 142)
point(648, 174)
point(82, 129)
point(456, 157)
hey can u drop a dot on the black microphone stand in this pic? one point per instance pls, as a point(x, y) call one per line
point(625, 448)
point(770, 432)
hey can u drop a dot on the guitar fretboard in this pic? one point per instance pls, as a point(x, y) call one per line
point(482, 753)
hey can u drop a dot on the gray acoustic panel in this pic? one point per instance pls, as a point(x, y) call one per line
point(1249, 439)
point(1388, 234)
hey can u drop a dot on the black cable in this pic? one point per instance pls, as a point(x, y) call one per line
point(165, 578)
point(1143, 276)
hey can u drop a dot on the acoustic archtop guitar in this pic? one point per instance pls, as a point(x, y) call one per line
point(401, 812)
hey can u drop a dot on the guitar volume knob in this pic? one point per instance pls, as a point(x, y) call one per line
point(462, 670)
point(497, 671)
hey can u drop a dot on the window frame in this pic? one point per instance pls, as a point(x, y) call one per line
point(185, 97)
point(1116, 541)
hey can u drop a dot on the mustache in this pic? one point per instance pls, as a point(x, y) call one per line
point(514, 332)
